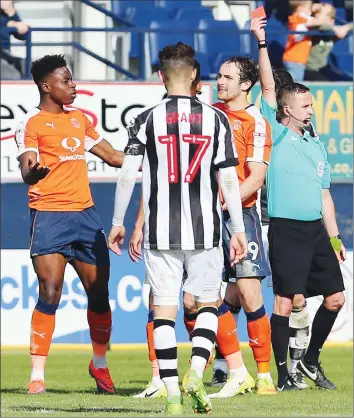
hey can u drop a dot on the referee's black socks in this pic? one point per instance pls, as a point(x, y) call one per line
point(280, 332)
point(321, 327)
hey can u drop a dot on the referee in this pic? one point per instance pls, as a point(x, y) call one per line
point(304, 241)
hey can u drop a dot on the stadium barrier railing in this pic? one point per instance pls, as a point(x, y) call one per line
point(141, 30)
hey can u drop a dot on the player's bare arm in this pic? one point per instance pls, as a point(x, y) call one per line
point(230, 188)
point(108, 154)
point(255, 180)
point(124, 190)
point(329, 219)
point(265, 67)
point(136, 239)
point(31, 170)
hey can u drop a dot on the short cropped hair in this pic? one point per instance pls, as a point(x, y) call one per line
point(196, 80)
point(282, 77)
point(176, 57)
point(285, 94)
point(248, 69)
point(45, 66)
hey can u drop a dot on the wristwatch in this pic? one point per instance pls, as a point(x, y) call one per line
point(262, 44)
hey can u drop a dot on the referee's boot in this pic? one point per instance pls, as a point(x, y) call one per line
point(289, 384)
point(219, 378)
point(316, 374)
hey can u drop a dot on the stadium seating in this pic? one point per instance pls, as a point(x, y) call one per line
point(277, 37)
point(192, 14)
point(221, 39)
point(205, 69)
point(224, 38)
point(344, 45)
point(179, 4)
point(160, 40)
point(142, 17)
point(343, 61)
point(341, 15)
point(119, 7)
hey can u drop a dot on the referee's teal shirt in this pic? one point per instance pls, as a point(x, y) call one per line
point(297, 173)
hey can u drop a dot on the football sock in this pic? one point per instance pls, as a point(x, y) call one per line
point(204, 336)
point(166, 353)
point(299, 335)
point(100, 333)
point(42, 328)
point(321, 327)
point(280, 341)
point(258, 328)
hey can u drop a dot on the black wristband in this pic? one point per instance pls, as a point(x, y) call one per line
point(262, 44)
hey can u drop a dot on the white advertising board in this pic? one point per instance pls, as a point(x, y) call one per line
point(128, 300)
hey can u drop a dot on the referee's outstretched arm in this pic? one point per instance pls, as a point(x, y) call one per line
point(265, 68)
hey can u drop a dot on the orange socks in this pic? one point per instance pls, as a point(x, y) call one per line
point(100, 333)
point(226, 338)
point(100, 326)
point(150, 337)
point(42, 328)
point(258, 328)
point(151, 347)
point(189, 322)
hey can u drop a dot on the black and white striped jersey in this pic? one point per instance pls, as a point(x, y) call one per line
point(184, 143)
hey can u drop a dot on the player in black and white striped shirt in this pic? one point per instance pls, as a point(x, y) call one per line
point(186, 144)
point(183, 143)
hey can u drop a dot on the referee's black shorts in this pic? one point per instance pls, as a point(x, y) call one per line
point(302, 259)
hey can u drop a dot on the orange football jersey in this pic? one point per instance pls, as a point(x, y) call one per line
point(253, 141)
point(60, 141)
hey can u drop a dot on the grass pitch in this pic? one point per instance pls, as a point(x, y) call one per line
point(71, 392)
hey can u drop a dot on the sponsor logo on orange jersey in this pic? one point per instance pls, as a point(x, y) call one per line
point(236, 125)
point(72, 144)
point(75, 122)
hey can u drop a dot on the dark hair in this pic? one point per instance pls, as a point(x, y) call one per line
point(46, 65)
point(176, 57)
point(197, 77)
point(282, 77)
point(286, 93)
point(248, 69)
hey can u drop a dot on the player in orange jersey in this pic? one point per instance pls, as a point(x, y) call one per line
point(252, 136)
point(65, 226)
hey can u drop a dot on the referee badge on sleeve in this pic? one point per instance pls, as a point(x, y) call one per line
point(320, 168)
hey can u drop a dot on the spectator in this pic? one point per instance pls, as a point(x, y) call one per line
point(318, 68)
point(298, 47)
point(11, 66)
